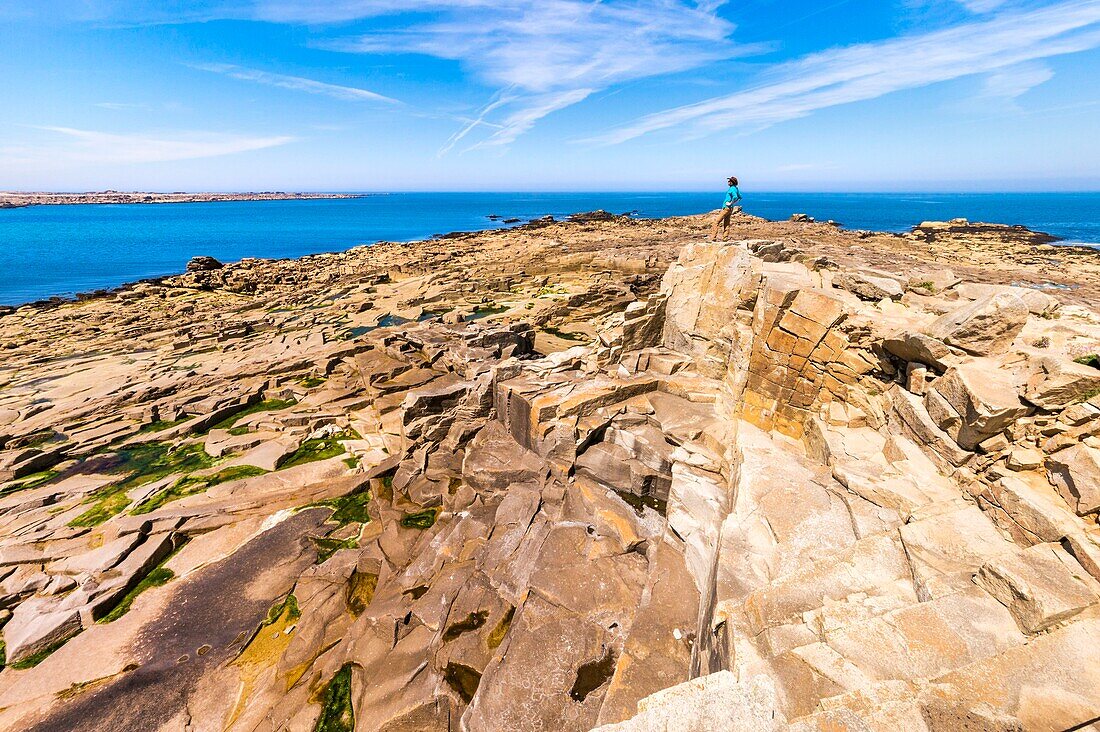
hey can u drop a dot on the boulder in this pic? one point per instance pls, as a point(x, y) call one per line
point(1085, 548)
point(1039, 303)
point(494, 460)
point(983, 396)
point(1029, 513)
point(1075, 472)
point(984, 327)
point(643, 323)
point(931, 281)
point(1078, 414)
point(1058, 383)
point(1024, 459)
point(706, 286)
point(919, 348)
point(203, 264)
point(868, 286)
point(910, 417)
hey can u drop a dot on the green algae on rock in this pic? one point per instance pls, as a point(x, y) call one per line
point(157, 577)
point(349, 508)
point(420, 519)
point(337, 712)
point(36, 658)
point(462, 679)
point(267, 405)
point(500, 630)
point(473, 621)
point(193, 484)
point(359, 591)
point(288, 605)
point(327, 546)
point(29, 481)
point(162, 424)
point(145, 464)
point(320, 448)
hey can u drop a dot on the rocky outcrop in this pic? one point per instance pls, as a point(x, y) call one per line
point(671, 485)
point(203, 264)
point(15, 200)
point(930, 231)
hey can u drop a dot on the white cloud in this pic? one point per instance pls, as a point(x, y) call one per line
point(531, 111)
point(540, 55)
point(296, 83)
point(1015, 81)
point(89, 146)
point(545, 55)
point(977, 7)
point(981, 6)
point(867, 71)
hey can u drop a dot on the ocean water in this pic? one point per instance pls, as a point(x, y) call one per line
point(61, 250)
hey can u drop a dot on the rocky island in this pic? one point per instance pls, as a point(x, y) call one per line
point(21, 199)
point(590, 474)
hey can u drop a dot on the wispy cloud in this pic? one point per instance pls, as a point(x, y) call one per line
point(338, 11)
point(122, 106)
point(974, 6)
point(531, 110)
point(981, 6)
point(89, 146)
point(296, 83)
point(1015, 81)
point(542, 56)
point(867, 71)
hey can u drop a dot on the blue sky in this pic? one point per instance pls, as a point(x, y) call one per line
point(847, 95)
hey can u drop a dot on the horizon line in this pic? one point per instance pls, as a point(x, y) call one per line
point(564, 191)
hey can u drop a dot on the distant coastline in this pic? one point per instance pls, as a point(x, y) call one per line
point(60, 251)
point(23, 199)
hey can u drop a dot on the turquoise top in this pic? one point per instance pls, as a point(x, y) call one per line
point(732, 196)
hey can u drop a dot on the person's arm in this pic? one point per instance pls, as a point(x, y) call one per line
point(735, 200)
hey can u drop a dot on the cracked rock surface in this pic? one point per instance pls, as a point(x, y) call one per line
point(593, 474)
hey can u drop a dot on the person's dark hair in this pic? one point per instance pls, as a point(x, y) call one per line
point(732, 180)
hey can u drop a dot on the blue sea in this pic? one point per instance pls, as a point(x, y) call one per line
point(50, 251)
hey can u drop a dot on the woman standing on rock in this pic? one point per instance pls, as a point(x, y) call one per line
point(732, 197)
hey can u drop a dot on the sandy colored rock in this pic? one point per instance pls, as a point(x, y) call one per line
point(985, 327)
point(1075, 472)
point(1040, 585)
point(560, 476)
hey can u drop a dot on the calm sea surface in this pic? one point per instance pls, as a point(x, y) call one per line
point(62, 250)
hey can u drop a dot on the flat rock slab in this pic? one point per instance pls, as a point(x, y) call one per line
point(211, 608)
point(1040, 585)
